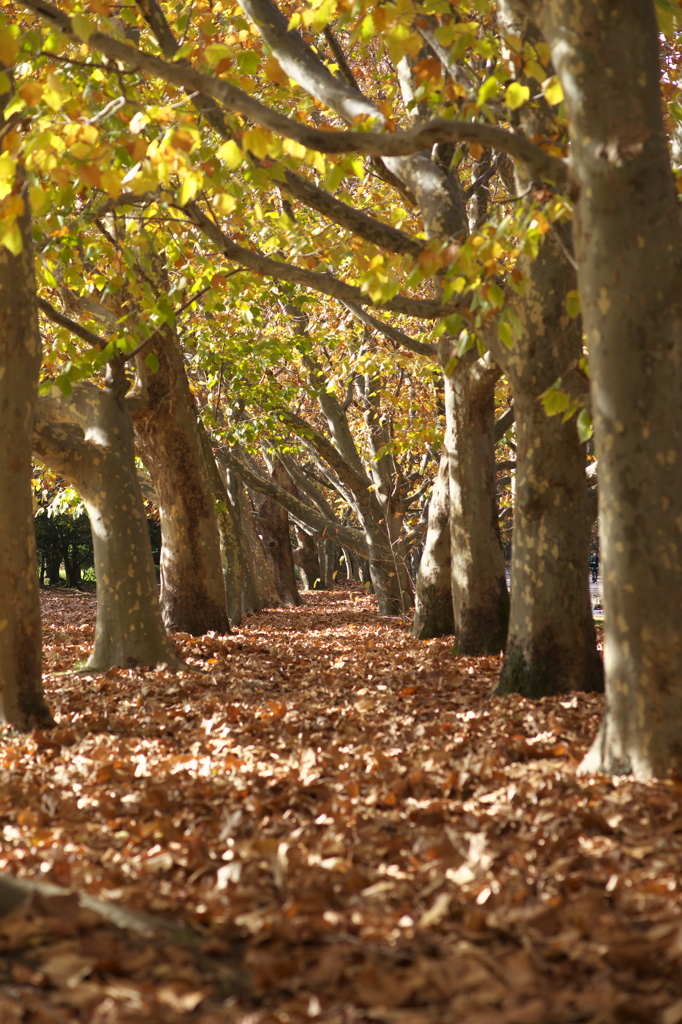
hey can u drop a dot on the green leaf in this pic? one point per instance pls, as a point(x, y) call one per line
point(152, 362)
point(516, 95)
point(554, 400)
point(584, 422)
point(488, 90)
point(506, 335)
point(573, 304)
point(496, 296)
point(215, 52)
point(248, 62)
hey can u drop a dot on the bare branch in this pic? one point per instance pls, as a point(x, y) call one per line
point(65, 321)
point(399, 337)
point(311, 517)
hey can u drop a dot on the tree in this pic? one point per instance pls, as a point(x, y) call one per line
point(88, 439)
point(21, 692)
point(551, 645)
point(627, 245)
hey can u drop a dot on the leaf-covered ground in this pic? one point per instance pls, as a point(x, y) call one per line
point(355, 828)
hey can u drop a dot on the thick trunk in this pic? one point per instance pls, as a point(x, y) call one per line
point(627, 242)
point(551, 645)
point(129, 629)
point(434, 614)
point(21, 692)
point(168, 439)
point(479, 585)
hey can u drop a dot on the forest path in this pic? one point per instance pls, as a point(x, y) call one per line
point(357, 828)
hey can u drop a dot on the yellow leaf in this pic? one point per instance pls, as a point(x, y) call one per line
point(274, 72)
point(258, 141)
point(189, 188)
point(554, 94)
point(82, 27)
point(31, 92)
point(12, 239)
point(224, 203)
point(316, 159)
point(533, 69)
point(39, 199)
point(111, 183)
point(294, 149)
point(516, 95)
point(230, 154)
point(9, 45)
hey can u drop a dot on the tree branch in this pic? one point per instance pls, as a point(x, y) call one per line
point(65, 321)
point(399, 337)
point(425, 309)
point(388, 144)
point(308, 515)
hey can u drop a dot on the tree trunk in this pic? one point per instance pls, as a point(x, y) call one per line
point(551, 646)
point(627, 243)
point(260, 578)
point(274, 525)
point(231, 544)
point(479, 583)
point(434, 615)
point(192, 584)
point(306, 557)
point(101, 466)
point(22, 703)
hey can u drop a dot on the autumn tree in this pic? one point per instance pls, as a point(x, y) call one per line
point(627, 245)
point(21, 693)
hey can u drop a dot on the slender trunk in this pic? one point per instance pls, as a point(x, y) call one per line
point(277, 538)
point(261, 580)
point(434, 615)
point(22, 703)
point(129, 629)
point(479, 584)
point(231, 546)
point(627, 243)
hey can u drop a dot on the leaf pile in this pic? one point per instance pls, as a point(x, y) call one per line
point(352, 827)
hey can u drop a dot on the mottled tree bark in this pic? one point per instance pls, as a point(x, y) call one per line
point(433, 615)
point(479, 583)
point(168, 440)
point(91, 445)
point(627, 245)
point(22, 703)
point(551, 644)
point(275, 531)
point(231, 541)
point(307, 559)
